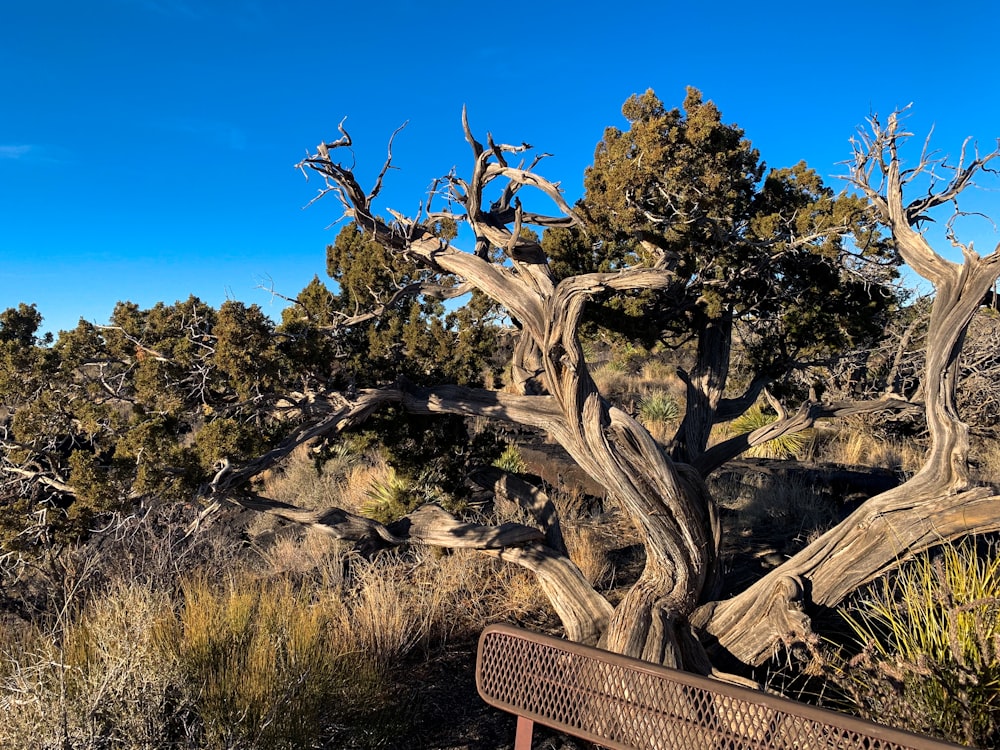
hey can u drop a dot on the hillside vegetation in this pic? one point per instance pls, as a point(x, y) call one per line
point(693, 418)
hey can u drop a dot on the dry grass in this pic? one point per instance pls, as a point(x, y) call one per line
point(628, 386)
point(101, 681)
point(854, 442)
point(986, 461)
point(294, 551)
point(257, 659)
point(659, 374)
point(588, 549)
point(611, 380)
point(469, 590)
point(306, 483)
point(263, 660)
point(355, 486)
point(776, 508)
point(299, 646)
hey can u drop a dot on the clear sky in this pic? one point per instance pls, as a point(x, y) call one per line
point(147, 146)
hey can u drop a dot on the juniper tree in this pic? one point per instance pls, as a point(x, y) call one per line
point(672, 613)
point(771, 259)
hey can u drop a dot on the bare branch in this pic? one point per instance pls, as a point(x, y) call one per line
point(803, 419)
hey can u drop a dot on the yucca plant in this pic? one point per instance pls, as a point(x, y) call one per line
point(389, 498)
point(790, 445)
point(511, 460)
point(929, 640)
point(657, 407)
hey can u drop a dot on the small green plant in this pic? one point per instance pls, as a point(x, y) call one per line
point(389, 498)
point(658, 406)
point(629, 359)
point(789, 445)
point(929, 641)
point(511, 460)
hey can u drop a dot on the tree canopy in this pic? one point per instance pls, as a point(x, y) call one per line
point(771, 259)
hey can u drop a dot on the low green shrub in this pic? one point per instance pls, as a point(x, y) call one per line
point(390, 498)
point(790, 445)
point(511, 460)
point(658, 406)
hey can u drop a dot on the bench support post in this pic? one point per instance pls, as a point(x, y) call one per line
point(525, 728)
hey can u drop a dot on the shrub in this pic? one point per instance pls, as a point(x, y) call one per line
point(102, 681)
point(272, 665)
point(789, 445)
point(511, 460)
point(929, 642)
point(390, 498)
point(658, 406)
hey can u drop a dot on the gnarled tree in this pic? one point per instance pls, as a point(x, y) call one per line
point(770, 263)
point(939, 502)
point(671, 611)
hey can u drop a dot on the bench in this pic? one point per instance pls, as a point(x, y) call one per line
point(627, 704)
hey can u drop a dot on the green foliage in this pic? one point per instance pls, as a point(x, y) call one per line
point(163, 466)
point(304, 340)
point(147, 405)
point(657, 407)
point(99, 486)
point(511, 460)
point(19, 326)
point(789, 445)
point(230, 438)
point(411, 336)
point(243, 349)
point(391, 498)
point(107, 415)
point(24, 360)
point(929, 640)
point(433, 455)
point(754, 250)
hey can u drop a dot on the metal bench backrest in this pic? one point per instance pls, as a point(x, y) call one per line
point(627, 704)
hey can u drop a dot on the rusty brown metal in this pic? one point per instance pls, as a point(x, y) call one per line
point(627, 704)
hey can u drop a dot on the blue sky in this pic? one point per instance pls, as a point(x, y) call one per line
point(147, 146)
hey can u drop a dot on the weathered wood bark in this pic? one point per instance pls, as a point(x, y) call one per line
point(938, 503)
point(705, 385)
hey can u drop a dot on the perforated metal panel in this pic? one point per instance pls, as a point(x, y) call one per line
point(627, 704)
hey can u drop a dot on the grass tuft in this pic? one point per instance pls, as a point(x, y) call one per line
point(511, 460)
point(929, 647)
